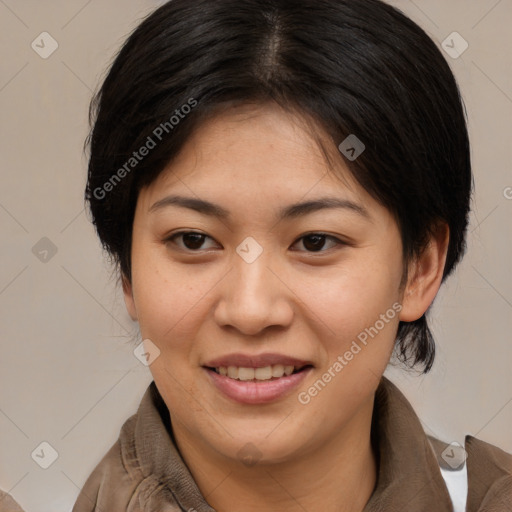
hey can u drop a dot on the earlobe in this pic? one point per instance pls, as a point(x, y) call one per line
point(128, 298)
point(425, 275)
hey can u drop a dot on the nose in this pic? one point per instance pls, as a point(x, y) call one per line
point(254, 297)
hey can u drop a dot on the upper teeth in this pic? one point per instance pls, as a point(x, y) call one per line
point(266, 373)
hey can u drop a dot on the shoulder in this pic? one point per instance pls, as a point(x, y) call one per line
point(489, 475)
point(132, 473)
point(118, 469)
point(487, 470)
point(7, 503)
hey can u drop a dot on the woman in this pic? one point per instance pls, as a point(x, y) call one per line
point(284, 187)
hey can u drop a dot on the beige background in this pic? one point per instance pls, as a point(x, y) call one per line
point(67, 372)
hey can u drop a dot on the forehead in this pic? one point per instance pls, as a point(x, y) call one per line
point(258, 149)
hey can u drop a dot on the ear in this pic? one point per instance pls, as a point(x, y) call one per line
point(128, 298)
point(425, 274)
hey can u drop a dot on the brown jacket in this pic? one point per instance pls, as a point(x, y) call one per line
point(143, 471)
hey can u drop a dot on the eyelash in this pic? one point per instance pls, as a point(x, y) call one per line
point(338, 242)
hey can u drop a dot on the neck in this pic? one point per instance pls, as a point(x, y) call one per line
point(338, 476)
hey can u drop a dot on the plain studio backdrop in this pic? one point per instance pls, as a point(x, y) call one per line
point(68, 375)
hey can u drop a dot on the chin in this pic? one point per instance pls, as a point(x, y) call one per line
point(251, 450)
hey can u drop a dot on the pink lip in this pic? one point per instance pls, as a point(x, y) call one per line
point(257, 392)
point(255, 361)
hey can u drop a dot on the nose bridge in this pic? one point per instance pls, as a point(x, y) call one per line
point(251, 277)
point(251, 262)
point(253, 297)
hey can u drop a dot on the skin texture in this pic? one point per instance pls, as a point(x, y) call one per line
point(199, 301)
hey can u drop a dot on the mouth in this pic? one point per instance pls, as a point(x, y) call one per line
point(257, 379)
point(261, 374)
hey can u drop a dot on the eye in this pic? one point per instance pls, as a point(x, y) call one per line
point(314, 242)
point(191, 240)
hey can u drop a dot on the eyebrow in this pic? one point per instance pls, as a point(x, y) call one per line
point(289, 212)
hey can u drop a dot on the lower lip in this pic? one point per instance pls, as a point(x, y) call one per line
point(257, 392)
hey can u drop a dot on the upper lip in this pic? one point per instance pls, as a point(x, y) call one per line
point(256, 361)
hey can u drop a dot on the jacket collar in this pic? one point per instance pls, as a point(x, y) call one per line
point(159, 459)
point(408, 477)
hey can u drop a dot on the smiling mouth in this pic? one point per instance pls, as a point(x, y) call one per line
point(265, 373)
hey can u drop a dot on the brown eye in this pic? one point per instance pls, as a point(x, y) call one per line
point(191, 241)
point(316, 242)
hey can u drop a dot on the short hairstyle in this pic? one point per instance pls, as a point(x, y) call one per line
point(353, 66)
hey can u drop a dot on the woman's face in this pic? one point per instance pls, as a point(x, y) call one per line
point(263, 285)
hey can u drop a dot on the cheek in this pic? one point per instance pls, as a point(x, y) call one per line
point(166, 296)
point(361, 311)
point(353, 298)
